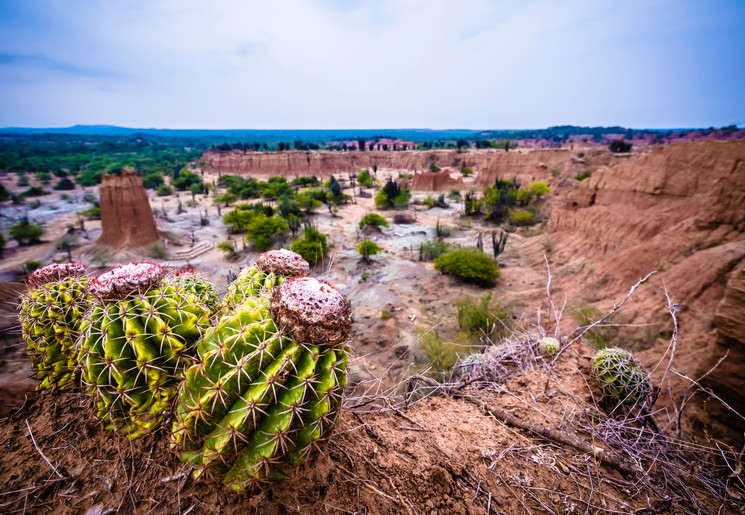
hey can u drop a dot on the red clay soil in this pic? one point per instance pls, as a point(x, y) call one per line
point(126, 218)
point(443, 454)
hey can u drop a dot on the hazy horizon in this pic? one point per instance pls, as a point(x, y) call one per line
point(365, 65)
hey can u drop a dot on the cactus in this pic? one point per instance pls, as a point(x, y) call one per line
point(549, 346)
point(51, 317)
point(138, 338)
point(267, 388)
point(269, 270)
point(621, 376)
point(190, 281)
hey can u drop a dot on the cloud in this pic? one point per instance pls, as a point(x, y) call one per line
point(41, 62)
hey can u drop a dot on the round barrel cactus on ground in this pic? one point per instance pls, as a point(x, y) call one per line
point(139, 337)
point(268, 385)
point(51, 315)
point(621, 376)
point(269, 270)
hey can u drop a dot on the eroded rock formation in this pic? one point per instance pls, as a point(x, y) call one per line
point(126, 218)
point(679, 210)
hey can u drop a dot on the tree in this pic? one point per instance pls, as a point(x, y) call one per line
point(64, 184)
point(539, 188)
point(368, 248)
point(620, 146)
point(194, 189)
point(391, 195)
point(26, 233)
point(361, 144)
point(263, 229)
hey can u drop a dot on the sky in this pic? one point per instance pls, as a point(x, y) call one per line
point(340, 64)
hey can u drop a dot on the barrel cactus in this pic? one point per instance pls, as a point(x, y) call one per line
point(139, 337)
point(269, 270)
point(267, 388)
point(51, 316)
point(192, 282)
point(549, 346)
point(621, 376)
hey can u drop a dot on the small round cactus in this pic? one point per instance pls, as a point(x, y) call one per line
point(621, 376)
point(267, 388)
point(270, 270)
point(51, 315)
point(137, 340)
point(549, 346)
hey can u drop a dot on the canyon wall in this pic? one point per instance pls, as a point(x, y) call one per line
point(526, 165)
point(679, 210)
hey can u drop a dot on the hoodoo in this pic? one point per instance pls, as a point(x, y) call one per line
point(126, 218)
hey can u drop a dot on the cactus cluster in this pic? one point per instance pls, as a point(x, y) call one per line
point(138, 338)
point(253, 388)
point(621, 376)
point(267, 387)
point(51, 315)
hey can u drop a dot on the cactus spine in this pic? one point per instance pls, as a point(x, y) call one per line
point(267, 388)
point(621, 376)
point(269, 270)
point(51, 316)
point(138, 337)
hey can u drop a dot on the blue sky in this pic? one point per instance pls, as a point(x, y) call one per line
point(305, 64)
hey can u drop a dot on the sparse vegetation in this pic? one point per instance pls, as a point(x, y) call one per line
point(26, 233)
point(164, 190)
point(312, 245)
point(365, 179)
point(392, 196)
point(430, 250)
point(522, 217)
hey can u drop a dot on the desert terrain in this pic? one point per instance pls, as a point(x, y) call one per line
point(416, 437)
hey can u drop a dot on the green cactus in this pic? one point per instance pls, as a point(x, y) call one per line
point(549, 346)
point(621, 376)
point(138, 338)
point(51, 316)
point(269, 270)
point(267, 388)
point(190, 281)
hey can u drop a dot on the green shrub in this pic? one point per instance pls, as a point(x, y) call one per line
point(442, 356)
point(263, 230)
point(26, 233)
point(392, 196)
point(164, 190)
point(430, 250)
point(466, 171)
point(539, 188)
point(385, 315)
point(522, 217)
point(64, 184)
point(365, 179)
point(312, 245)
point(152, 180)
point(22, 181)
point(30, 266)
point(374, 220)
point(367, 248)
point(470, 265)
point(228, 248)
point(35, 191)
point(475, 317)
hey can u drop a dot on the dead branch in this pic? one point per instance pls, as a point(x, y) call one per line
point(41, 453)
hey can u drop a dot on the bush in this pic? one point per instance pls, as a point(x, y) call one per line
point(263, 229)
point(164, 190)
point(35, 191)
point(522, 217)
point(312, 245)
point(620, 146)
point(470, 265)
point(466, 171)
point(368, 248)
point(64, 184)
point(392, 196)
point(442, 356)
point(228, 247)
point(30, 266)
point(22, 181)
point(365, 179)
point(374, 220)
point(26, 233)
point(476, 318)
point(539, 188)
point(152, 180)
point(430, 250)
point(584, 174)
